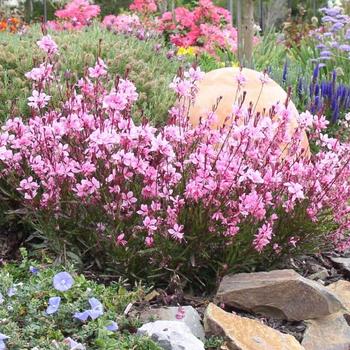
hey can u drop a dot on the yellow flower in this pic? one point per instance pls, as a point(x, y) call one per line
point(183, 51)
point(234, 64)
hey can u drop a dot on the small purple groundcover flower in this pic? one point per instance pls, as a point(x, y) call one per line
point(73, 344)
point(3, 337)
point(33, 270)
point(12, 291)
point(54, 304)
point(95, 311)
point(1, 299)
point(112, 326)
point(63, 281)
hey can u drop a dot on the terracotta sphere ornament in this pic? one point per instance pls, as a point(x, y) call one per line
point(222, 85)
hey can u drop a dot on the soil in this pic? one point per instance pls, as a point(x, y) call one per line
point(10, 242)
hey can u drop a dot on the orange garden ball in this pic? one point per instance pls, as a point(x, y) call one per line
point(222, 83)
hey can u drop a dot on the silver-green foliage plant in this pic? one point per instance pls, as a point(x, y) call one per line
point(30, 320)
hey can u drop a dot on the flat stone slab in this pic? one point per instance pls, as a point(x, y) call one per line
point(186, 314)
point(327, 333)
point(171, 335)
point(282, 294)
point(242, 333)
point(341, 289)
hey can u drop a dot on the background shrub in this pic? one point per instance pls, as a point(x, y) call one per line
point(150, 70)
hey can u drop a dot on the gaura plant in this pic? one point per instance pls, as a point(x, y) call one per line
point(192, 201)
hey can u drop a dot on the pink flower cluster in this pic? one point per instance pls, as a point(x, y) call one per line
point(144, 6)
point(125, 24)
point(207, 26)
point(88, 162)
point(76, 15)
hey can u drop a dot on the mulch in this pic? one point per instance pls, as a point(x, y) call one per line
point(10, 242)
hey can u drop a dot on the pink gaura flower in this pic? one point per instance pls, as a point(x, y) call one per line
point(149, 241)
point(128, 199)
point(241, 79)
point(293, 241)
point(150, 224)
point(87, 187)
point(264, 78)
point(263, 237)
point(295, 189)
point(177, 232)
point(120, 240)
point(99, 70)
point(48, 45)
point(115, 101)
point(41, 73)
point(38, 99)
point(29, 187)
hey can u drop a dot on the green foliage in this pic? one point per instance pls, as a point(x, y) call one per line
point(38, 10)
point(214, 342)
point(112, 6)
point(151, 72)
point(23, 318)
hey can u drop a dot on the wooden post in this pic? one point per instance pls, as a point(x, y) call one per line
point(230, 8)
point(239, 31)
point(45, 11)
point(247, 32)
point(261, 11)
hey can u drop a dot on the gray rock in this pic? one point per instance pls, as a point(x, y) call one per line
point(281, 294)
point(343, 263)
point(171, 335)
point(190, 317)
point(320, 275)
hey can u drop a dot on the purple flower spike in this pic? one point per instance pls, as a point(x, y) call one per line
point(82, 316)
point(54, 304)
point(344, 47)
point(113, 326)
point(316, 72)
point(96, 308)
point(63, 281)
point(347, 35)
